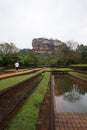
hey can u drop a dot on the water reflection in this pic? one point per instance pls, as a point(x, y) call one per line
point(69, 96)
point(73, 95)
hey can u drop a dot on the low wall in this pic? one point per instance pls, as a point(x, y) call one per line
point(12, 98)
point(79, 81)
point(81, 68)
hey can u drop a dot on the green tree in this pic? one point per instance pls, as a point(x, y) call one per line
point(10, 59)
point(82, 52)
point(1, 59)
point(64, 55)
point(8, 48)
point(8, 54)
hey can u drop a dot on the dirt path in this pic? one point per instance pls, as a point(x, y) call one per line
point(2, 76)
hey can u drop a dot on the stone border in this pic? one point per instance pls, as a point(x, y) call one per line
point(14, 97)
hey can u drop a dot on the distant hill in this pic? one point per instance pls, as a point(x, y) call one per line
point(43, 45)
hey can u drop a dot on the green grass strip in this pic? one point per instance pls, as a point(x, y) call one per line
point(80, 65)
point(78, 75)
point(27, 116)
point(5, 83)
point(13, 70)
point(62, 69)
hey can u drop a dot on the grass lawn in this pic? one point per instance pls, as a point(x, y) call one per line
point(1, 68)
point(80, 65)
point(5, 83)
point(78, 75)
point(27, 116)
point(62, 69)
point(47, 69)
point(13, 70)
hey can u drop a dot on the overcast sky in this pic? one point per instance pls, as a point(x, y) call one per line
point(23, 20)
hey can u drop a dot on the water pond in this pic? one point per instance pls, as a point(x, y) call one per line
point(69, 96)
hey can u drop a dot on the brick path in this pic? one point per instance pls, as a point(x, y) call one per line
point(70, 121)
point(17, 73)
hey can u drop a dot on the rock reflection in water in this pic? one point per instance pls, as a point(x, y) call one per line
point(69, 96)
point(73, 95)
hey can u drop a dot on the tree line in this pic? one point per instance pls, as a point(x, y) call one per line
point(65, 55)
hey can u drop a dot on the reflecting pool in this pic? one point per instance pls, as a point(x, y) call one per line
point(69, 96)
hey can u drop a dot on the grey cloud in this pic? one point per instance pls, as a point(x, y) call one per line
point(22, 20)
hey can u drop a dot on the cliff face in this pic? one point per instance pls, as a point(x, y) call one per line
point(42, 45)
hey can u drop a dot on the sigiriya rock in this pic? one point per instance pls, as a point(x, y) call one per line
point(43, 45)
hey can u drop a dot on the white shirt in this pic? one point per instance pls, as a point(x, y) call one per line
point(17, 64)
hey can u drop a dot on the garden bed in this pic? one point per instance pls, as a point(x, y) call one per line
point(12, 98)
point(27, 116)
point(79, 76)
point(44, 119)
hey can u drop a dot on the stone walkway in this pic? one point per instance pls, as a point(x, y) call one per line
point(71, 121)
point(17, 73)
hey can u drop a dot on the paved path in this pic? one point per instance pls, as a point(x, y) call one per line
point(71, 121)
point(17, 73)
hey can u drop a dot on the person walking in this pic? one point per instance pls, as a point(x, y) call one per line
point(17, 66)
